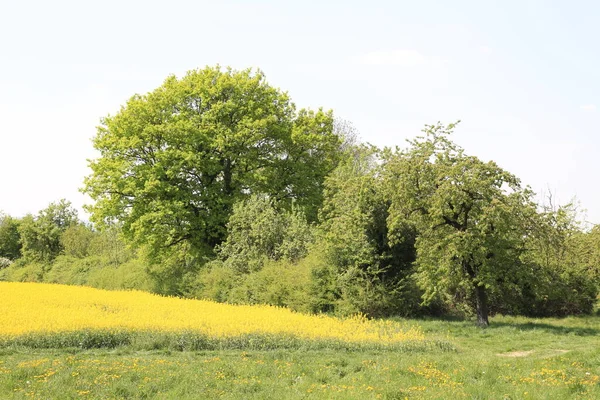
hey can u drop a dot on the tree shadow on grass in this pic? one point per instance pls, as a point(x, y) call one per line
point(548, 328)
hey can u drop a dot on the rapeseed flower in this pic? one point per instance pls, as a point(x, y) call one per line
point(47, 308)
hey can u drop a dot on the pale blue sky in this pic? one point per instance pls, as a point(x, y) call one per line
point(523, 76)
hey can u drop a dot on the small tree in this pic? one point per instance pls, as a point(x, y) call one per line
point(372, 273)
point(562, 255)
point(41, 235)
point(471, 217)
point(10, 240)
point(591, 255)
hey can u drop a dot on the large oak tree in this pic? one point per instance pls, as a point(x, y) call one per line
point(174, 161)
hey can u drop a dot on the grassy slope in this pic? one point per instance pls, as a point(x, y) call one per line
point(563, 362)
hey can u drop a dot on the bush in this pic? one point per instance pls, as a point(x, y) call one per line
point(21, 272)
point(129, 275)
point(214, 282)
point(259, 231)
point(279, 283)
point(562, 293)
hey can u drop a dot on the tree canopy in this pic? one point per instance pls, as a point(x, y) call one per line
point(471, 217)
point(41, 234)
point(174, 161)
point(10, 240)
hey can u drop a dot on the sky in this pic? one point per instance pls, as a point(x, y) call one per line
point(522, 76)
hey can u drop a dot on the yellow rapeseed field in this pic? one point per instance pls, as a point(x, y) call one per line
point(36, 307)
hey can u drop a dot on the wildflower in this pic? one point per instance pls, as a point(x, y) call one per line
point(60, 308)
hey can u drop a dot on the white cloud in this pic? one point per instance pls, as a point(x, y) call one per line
point(399, 57)
point(588, 107)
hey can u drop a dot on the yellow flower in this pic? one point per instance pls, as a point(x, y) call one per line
point(35, 307)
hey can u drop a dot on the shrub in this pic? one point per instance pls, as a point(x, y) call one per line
point(259, 231)
point(214, 282)
point(21, 272)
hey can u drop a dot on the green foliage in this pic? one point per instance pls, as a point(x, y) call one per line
point(471, 217)
point(91, 258)
point(109, 244)
point(23, 272)
point(259, 231)
point(213, 186)
point(129, 275)
point(173, 162)
point(76, 240)
point(41, 235)
point(589, 252)
point(563, 279)
point(10, 240)
point(279, 283)
point(71, 270)
point(262, 260)
point(94, 271)
point(215, 282)
point(171, 273)
point(311, 152)
point(324, 290)
point(372, 274)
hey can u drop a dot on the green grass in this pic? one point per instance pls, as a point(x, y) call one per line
point(194, 341)
point(516, 358)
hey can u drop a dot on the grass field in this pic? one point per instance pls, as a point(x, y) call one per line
point(516, 358)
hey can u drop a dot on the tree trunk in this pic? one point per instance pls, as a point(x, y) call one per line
point(227, 177)
point(482, 306)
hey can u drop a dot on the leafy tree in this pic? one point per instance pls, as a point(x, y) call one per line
point(471, 217)
point(10, 240)
point(561, 255)
point(174, 161)
point(41, 235)
point(372, 273)
point(590, 250)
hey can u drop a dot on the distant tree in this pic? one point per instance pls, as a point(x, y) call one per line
point(565, 263)
point(471, 217)
point(41, 234)
point(174, 161)
point(348, 134)
point(10, 240)
point(76, 240)
point(591, 243)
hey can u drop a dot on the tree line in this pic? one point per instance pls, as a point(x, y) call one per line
point(216, 186)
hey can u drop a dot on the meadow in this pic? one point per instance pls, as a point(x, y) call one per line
point(75, 342)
